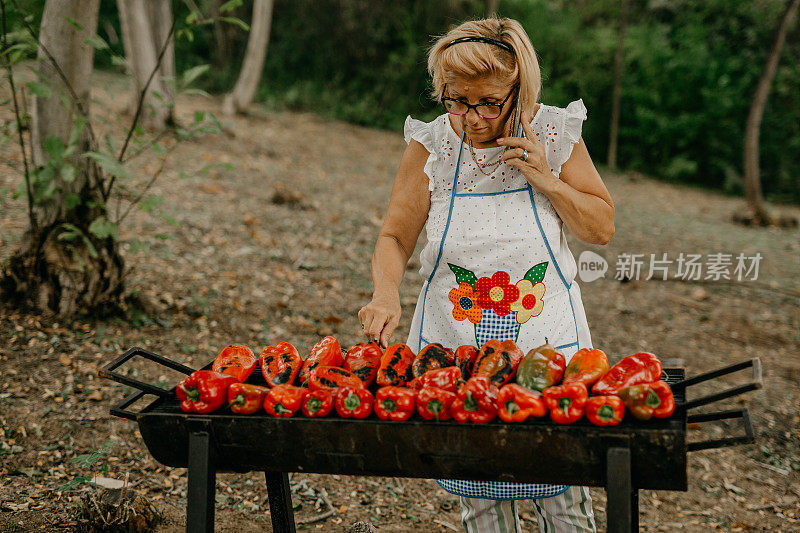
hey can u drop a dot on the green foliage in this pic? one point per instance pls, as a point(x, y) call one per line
point(88, 461)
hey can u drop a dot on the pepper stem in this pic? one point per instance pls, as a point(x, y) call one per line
point(511, 407)
point(564, 403)
point(652, 399)
point(280, 409)
point(192, 394)
point(239, 400)
point(313, 404)
point(352, 401)
point(470, 403)
point(389, 404)
point(435, 407)
point(606, 413)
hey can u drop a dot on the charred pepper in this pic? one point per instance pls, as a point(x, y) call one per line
point(498, 360)
point(475, 401)
point(434, 403)
point(515, 403)
point(430, 357)
point(333, 377)
point(204, 391)
point(326, 352)
point(280, 364)
point(642, 367)
point(363, 360)
point(566, 403)
point(586, 366)
point(464, 358)
point(542, 367)
point(395, 403)
point(353, 402)
point(442, 378)
point(604, 410)
point(284, 400)
point(246, 399)
point(395, 367)
point(317, 403)
point(237, 360)
point(648, 400)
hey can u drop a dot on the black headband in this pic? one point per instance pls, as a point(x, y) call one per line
point(479, 39)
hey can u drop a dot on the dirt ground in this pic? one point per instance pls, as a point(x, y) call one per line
point(246, 266)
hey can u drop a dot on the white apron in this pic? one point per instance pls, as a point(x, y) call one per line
point(496, 277)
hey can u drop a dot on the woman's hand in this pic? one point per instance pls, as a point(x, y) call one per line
point(380, 317)
point(535, 167)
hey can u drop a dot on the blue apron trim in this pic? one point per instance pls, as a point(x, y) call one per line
point(457, 493)
point(567, 345)
point(489, 193)
point(441, 243)
point(546, 242)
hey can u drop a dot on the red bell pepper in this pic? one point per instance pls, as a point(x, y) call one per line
point(395, 369)
point(498, 360)
point(204, 391)
point(353, 402)
point(280, 364)
point(434, 403)
point(635, 369)
point(246, 399)
point(515, 403)
point(326, 352)
point(363, 360)
point(284, 400)
point(464, 358)
point(649, 400)
point(395, 403)
point(542, 367)
point(317, 403)
point(475, 401)
point(442, 378)
point(605, 410)
point(237, 360)
point(430, 357)
point(333, 377)
point(566, 403)
point(586, 366)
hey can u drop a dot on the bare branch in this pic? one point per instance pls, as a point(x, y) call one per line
point(142, 193)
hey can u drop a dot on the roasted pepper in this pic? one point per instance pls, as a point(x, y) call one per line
point(434, 403)
point(237, 360)
point(284, 400)
point(317, 403)
point(246, 399)
point(395, 367)
point(604, 410)
point(363, 360)
point(353, 402)
point(649, 400)
point(475, 401)
point(430, 357)
point(516, 403)
point(204, 391)
point(395, 403)
point(586, 366)
point(498, 360)
point(333, 377)
point(542, 367)
point(280, 364)
point(635, 369)
point(566, 403)
point(326, 352)
point(464, 358)
point(442, 378)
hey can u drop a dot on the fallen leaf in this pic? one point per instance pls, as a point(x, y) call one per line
point(210, 188)
point(96, 396)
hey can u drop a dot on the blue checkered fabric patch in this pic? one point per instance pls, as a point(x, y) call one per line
point(492, 326)
point(500, 490)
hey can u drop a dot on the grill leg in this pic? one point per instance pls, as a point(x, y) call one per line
point(202, 477)
point(622, 509)
point(280, 502)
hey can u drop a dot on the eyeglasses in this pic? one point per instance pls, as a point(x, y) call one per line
point(485, 111)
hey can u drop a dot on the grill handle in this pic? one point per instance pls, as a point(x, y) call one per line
point(755, 384)
point(743, 413)
point(121, 409)
point(109, 372)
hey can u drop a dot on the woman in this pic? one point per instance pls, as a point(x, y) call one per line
point(494, 207)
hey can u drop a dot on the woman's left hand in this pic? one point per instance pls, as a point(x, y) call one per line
point(534, 167)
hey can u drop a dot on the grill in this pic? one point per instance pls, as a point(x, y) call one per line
point(623, 459)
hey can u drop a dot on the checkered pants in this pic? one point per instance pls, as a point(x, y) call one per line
point(568, 512)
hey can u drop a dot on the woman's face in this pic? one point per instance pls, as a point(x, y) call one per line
point(481, 131)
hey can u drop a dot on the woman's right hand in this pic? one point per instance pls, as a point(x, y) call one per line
point(380, 317)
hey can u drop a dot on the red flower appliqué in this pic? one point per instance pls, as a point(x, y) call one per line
point(497, 293)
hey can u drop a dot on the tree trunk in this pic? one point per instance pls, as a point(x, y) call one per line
point(48, 271)
point(242, 95)
point(752, 174)
point(616, 95)
point(223, 37)
point(145, 25)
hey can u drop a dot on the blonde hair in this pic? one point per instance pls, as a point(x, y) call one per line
point(476, 59)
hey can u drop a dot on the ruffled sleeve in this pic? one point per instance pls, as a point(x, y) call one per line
point(573, 116)
point(423, 132)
